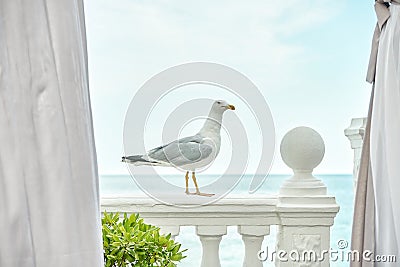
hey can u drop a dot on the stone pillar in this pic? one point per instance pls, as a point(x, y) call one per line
point(252, 237)
point(305, 210)
point(210, 237)
point(355, 133)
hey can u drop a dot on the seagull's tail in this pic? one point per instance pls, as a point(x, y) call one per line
point(139, 160)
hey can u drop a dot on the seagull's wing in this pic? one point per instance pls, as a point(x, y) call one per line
point(181, 152)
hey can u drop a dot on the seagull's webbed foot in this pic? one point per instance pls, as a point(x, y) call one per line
point(197, 187)
point(203, 194)
point(198, 193)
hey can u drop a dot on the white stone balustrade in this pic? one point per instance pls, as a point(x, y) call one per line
point(355, 133)
point(253, 214)
point(302, 210)
point(306, 213)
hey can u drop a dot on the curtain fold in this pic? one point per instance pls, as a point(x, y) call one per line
point(376, 223)
point(363, 232)
point(385, 139)
point(49, 194)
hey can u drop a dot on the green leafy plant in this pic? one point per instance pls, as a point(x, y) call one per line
point(130, 242)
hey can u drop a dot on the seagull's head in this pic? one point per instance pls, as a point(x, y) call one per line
point(222, 105)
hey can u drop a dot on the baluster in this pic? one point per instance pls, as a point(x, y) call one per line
point(252, 237)
point(170, 229)
point(355, 133)
point(210, 237)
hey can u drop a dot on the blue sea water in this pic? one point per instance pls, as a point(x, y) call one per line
point(231, 248)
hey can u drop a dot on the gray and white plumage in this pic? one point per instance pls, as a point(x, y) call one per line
point(192, 152)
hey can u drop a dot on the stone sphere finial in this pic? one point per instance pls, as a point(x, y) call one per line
point(302, 149)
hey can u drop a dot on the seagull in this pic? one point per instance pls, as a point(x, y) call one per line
point(189, 153)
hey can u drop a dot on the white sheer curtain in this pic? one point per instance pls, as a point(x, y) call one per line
point(376, 222)
point(385, 139)
point(49, 198)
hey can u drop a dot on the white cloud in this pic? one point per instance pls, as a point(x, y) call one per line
point(157, 32)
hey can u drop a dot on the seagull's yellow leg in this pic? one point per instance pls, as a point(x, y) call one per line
point(187, 183)
point(197, 187)
point(195, 183)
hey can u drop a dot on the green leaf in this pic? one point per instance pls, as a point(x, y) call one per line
point(176, 248)
point(131, 242)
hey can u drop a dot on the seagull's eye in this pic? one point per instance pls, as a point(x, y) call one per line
point(218, 102)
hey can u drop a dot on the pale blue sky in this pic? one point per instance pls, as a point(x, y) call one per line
point(308, 58)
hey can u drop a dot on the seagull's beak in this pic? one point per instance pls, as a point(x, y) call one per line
point(231, 107)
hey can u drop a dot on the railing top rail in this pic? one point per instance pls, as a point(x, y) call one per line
point(230, 203)
point(231, 210)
